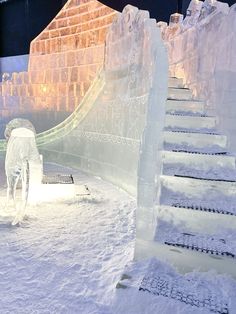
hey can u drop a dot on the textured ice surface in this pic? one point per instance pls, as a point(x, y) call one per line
point(192, 14)
point(204, 56)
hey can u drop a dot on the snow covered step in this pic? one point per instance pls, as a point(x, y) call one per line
point(199, 231)
point(170, 291)
point(209, 166)
point(218, 195)
point(196, 141)
point(196, 221)
point(207, 244)
point(174, 286)
point(185, 260)
point(190, 122)
point(175, 82)
point(185, 106)
point(179, 93)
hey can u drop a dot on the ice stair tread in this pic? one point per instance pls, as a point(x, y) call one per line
point(192, 289)
point(208, 244)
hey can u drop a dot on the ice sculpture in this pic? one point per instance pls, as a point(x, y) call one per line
point(192, 14)
point(162, 26)
point(22, 165)
point(208, 7)
point(5, 77)
point(175, 25)
point(212, 6)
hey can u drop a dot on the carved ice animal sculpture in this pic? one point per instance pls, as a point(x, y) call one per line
point(22, 162)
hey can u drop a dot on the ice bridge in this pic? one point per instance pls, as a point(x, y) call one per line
point(170, 142)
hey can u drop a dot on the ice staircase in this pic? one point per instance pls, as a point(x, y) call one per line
point(196, 215)
point(197, 207)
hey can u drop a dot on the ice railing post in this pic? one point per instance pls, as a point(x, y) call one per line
point(149, 169)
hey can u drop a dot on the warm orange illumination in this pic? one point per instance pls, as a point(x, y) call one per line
point(64, 59)
point(44, 89)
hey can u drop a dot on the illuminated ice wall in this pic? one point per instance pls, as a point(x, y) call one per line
point(116, 132)
point(203, 54)
point(64, 60)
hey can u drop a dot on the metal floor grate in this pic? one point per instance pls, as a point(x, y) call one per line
point(204, 208)
point(58, 179)
point(198, 152)
point(183, 291)
point(203, 179)
point(203, 244)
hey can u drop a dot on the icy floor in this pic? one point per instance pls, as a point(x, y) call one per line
point(67, 257)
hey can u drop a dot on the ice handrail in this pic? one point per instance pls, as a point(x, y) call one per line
point(74, 119)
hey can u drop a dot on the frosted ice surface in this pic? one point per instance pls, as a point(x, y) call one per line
point(22, 162)
point(192, 14)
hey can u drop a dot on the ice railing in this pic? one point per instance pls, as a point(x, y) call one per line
point(74, 119)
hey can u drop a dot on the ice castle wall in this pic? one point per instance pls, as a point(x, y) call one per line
point(64, 59)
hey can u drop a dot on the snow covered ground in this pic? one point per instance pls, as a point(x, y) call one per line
point(67, 257)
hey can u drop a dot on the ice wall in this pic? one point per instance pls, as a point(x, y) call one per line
point(119, 135)
point(204, 56)
point(63, 62)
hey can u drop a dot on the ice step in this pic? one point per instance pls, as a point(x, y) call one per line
point(213, 166)
point(175, 82)
point(198, 221)
point(190, 122)
point(219, 195)
point(207, 244)
point(185, 106)
point(193, 292)
point(197, 141)
point(179, 93)
point(185, 260)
